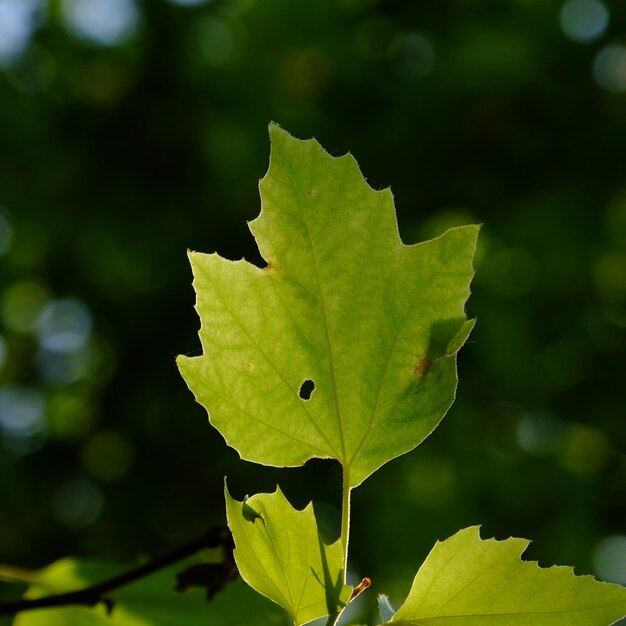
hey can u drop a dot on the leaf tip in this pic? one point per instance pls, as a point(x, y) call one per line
point(277, 133)
point(192, 254)
point(181, 360)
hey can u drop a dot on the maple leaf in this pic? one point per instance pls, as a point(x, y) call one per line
point(342, 347)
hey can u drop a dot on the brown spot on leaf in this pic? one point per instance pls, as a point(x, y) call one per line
point(249, 366)
point(312, 192)
point(421, 365)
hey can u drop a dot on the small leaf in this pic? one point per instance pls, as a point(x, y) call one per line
point(342, 347)
point(151, 600)
point(280, 553)
point(467, 581)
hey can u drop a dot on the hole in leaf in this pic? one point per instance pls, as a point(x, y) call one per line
point(306, 389)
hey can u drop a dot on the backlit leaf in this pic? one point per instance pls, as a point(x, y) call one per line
point(344, 345)
point(467, 581)
point(150, 601)
point(279, 552)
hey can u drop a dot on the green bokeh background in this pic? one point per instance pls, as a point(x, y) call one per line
point(120, 149)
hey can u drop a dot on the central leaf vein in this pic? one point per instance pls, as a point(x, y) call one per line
point(331, 363)
point(372, 418)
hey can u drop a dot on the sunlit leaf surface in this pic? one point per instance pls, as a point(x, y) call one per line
point(468, 581)
point(279, 552)
point(344, 345)
point(150, 601)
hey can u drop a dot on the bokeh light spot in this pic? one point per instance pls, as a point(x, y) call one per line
point(78, 503)
point(103, 22)
point(21, 306)
point(373, 37)
point(609, 275)
point(431, 482)
point(584, 20)
point(610, 559)
point(609, 68)
point(64, 326)
point(540, 433)
point(306, 72)
point(413, 56)
point(615, 314)
point(511, 272)
point(585, 450)
point(18, 19)
point(107, 456)
point(216, 41)
point(63, 368)
point(22, 413)
point(70, 416)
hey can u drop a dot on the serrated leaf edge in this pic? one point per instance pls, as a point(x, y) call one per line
point(524, 545)
point(306, 509)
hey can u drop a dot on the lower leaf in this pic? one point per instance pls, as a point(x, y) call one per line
point(468, 581)
point(151, 600)
point(280, 553)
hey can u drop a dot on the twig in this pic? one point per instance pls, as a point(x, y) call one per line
point(97, 594)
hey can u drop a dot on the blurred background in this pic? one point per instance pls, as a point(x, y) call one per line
point(131, 131)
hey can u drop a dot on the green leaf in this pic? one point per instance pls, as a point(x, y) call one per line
point(280, 552)
point(150, 601)
point(467, 581)
point(372, 323)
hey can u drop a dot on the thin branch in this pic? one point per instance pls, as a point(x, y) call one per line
point(97, 594)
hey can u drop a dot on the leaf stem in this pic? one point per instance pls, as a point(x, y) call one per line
point(345, 521)
point(333, 619)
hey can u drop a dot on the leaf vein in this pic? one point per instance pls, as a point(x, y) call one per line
point(331, 364)
point(255, 344)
